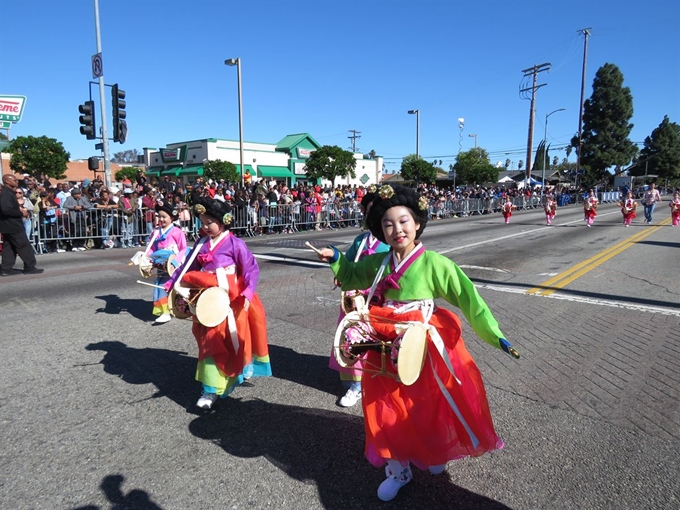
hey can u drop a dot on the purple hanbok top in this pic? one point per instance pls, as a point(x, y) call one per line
point(229, 251)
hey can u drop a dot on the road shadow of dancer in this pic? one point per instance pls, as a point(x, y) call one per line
point(172, 372)
point(115, 305)
point(135, 499)
point(323, 448)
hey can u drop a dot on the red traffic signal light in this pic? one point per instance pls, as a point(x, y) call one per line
point(87, 120)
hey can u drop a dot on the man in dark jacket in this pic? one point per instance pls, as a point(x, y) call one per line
point(14, 240)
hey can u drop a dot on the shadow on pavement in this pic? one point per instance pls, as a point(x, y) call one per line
point(325, 449)
point(172, 372)
point(136, 499)
point(304, 369)
point(115, 305)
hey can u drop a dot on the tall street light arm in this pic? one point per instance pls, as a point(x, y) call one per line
point(237, 62)
point(545, 146)
point(417, 114)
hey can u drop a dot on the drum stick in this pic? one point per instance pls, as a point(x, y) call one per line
point(151, 285)
point(314, 249)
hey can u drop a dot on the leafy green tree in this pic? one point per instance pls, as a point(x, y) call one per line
point(329, 162)
point(474, 167)
point(38, 155)
point(417, 170)
point(661, 153)
point(129, 156)
point(127, 171)
point(606, 126)
point(217, 169)
point(3, 136)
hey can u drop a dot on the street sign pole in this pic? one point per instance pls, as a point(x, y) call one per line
point(102, 103)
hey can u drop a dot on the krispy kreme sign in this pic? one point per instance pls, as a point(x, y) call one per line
point(173, 155)
point(11, 107)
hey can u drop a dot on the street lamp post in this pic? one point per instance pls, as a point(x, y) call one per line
point(237, 62)
point(475, 137)
point(545, 148)
point(417, 114)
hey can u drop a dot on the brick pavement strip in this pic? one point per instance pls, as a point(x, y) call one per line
point(626, 377)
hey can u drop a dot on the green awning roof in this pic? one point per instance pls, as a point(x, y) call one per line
point(192, 170)
point(273, 171)
point(154, 171)
point(173, 170)
point(248, 167)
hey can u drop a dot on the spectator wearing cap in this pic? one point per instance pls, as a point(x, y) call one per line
point(166, 185)
point(141, 178)
point(78, 207)
point(128, 211)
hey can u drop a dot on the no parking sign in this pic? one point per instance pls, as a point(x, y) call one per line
point(97, 66)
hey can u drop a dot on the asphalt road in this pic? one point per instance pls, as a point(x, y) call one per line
point(97, 405)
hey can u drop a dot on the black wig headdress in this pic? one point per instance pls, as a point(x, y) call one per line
point(216, 209)
point(391, 196)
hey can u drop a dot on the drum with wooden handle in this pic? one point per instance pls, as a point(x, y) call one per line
point(355, 336)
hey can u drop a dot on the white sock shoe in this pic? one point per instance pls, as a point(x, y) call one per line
point(162, 319)
point(397, 477)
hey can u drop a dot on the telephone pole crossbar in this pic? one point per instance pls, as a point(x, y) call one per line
point(354, 136)
point(532, 71)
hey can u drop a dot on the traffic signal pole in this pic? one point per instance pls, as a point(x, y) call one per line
point(102, 103)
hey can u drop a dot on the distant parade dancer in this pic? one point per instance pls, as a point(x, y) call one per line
point(507, 209)
point(220, 278)
point(364, 244)
point(628, 206)
point(426, 403)
point(550, 209)
point(675, 209)
point(589, 208)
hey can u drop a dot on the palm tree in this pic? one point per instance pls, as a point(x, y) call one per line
point(520, 164)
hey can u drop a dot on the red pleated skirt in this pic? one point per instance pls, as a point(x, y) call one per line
point(251, 327)
point(416, 423)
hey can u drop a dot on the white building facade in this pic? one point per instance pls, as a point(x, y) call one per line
point(283, 161)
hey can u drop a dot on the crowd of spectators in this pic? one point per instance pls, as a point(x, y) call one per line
point(84, 215)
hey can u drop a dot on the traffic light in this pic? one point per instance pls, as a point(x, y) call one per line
point(93, 163)
point(87, 120)
point(119, 114)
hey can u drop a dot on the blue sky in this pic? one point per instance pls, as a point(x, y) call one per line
point(327, 67)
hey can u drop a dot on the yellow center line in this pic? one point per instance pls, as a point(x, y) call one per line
point(561, 280)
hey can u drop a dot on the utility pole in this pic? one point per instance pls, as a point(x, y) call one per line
point(586, 34)
point(102, 104)
point(355, 134)
point(532, 71)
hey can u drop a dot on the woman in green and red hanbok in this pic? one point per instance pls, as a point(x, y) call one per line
point(444, 415)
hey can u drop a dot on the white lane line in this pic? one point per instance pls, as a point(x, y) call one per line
point(589, 301)
point(522, 233)
point(548, 274)
point(495, 270)
point(292, 261)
